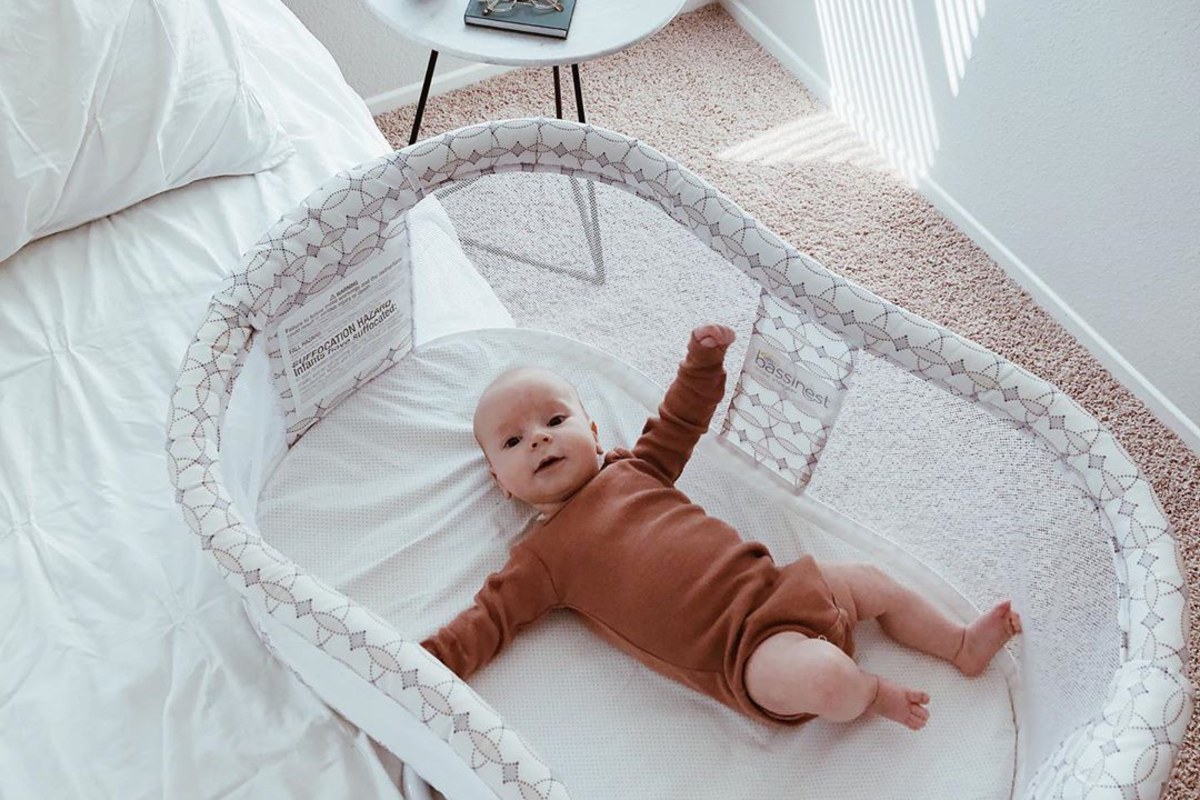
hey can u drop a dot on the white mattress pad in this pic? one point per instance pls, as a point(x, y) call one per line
point(389, 500)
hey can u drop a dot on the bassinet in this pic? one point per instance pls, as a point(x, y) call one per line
point(1100, 712)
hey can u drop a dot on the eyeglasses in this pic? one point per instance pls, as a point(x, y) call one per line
point(503, 6)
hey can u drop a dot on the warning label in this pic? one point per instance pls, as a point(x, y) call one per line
point(340, 332)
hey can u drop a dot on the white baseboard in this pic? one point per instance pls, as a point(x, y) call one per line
point(457, 79)
point(441, 83)
point(1108, 356)
point(785, 55)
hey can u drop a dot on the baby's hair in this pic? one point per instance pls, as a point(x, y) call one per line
point(531, 368)
point(509, 374)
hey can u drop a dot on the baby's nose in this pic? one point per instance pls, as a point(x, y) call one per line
point(541, 438)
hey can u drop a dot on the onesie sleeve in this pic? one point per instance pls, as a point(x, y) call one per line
point(510, 599)
point(667, 439)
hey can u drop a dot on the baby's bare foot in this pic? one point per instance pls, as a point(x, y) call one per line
point(906, 706)
point(985, 636)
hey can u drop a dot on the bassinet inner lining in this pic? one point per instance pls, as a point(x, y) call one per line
point(389, 501)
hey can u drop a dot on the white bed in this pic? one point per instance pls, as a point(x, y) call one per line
point(129, 668)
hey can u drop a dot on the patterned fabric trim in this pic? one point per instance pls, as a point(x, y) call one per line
point(789, 394)
point(1128, 747)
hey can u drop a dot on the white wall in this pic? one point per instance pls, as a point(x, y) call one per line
point(1064, 138)
point(376, 61)
point(383, 66)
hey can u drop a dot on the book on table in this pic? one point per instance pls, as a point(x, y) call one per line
point(526, 17)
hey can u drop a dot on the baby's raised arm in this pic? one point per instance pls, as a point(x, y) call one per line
point(686, 410)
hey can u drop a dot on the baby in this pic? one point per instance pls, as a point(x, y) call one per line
point(676, 589)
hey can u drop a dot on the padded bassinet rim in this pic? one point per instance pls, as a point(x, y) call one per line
point(1145, 554)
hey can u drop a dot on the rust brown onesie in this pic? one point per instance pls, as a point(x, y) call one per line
point(649, 571)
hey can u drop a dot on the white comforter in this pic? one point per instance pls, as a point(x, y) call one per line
point(129, 670)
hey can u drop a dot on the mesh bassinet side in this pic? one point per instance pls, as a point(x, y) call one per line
point(990, 510)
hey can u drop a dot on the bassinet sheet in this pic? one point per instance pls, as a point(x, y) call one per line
point(129, 667)
point(388, 499)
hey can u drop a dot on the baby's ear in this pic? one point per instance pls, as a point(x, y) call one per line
point(507, 494)
point(596, 436)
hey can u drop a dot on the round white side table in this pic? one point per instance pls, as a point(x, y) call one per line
point(598, 28)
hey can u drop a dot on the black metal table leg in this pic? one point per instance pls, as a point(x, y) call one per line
point(424, 96)
point(557, 94)
point(578, 92)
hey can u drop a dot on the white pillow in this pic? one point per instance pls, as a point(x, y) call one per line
point(104, 103)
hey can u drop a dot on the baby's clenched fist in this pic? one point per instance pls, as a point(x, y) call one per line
point(713, 335)
point(709, 342)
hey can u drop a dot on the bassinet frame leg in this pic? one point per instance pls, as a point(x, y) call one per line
point(588, 211)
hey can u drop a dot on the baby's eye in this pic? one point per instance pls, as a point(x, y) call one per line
point(512, 441)
point(557, 419)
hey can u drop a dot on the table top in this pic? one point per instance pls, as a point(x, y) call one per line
point(598, 28)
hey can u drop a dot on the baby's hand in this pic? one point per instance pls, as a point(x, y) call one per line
point(710, 341)
point(713, 335)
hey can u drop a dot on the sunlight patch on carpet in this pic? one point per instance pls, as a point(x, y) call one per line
point(815, 137)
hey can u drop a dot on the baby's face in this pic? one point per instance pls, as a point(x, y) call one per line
point(539, 442)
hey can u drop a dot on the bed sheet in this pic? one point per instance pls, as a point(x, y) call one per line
point(130, 669)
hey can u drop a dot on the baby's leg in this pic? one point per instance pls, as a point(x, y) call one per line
point(790, 674)
point(915, 622)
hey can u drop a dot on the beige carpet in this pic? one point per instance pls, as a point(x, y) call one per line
point(832, 197)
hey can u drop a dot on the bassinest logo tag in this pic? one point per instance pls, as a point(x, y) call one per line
point(813, 395)
point(791, 380)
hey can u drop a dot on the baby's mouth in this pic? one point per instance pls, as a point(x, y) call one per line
point(547, 462)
